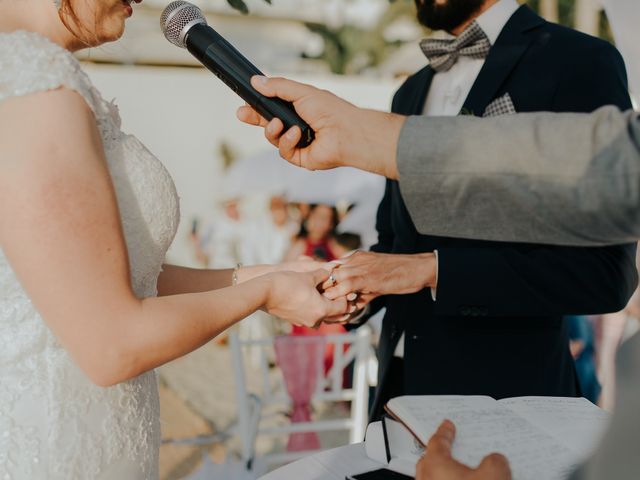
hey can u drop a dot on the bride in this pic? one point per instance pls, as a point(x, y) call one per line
point(87, 310)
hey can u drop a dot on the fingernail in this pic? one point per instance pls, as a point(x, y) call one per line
point(261, 79)
point(292, 133)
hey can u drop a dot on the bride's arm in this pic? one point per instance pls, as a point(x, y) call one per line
point(176, 279)
point(60, 230)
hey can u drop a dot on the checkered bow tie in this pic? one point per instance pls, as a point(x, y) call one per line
point(443, 54)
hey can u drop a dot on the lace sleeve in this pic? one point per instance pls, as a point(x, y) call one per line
point(31, 63)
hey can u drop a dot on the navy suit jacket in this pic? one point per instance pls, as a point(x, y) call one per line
point(496, 328)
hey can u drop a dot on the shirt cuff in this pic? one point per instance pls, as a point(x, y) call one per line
point(434, 292)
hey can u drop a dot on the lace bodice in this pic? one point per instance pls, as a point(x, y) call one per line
point(54, 423)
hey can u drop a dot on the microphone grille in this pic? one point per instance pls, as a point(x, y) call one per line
point(176, 20)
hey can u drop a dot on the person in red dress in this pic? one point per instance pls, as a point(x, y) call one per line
point(317, 240)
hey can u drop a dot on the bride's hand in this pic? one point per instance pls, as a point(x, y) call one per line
point(294, 297)
point(303, 265)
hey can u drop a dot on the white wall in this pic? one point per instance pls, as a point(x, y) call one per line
point(624, 16)
point(183, 115)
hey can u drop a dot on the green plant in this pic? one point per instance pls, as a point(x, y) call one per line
point(227, 154)
point(350, 49)
point(241, 6)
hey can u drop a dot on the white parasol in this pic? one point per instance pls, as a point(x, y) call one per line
point(268, 173)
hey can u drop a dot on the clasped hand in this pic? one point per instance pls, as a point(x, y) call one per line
point(337, 291)
point(295, 294)
point(364, 276)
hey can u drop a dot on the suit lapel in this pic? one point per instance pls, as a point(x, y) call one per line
point(413, 102)
point(503, 57)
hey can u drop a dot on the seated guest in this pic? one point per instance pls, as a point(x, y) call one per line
point(317, 236)
point(581, 344)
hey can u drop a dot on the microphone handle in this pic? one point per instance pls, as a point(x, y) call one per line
point(230, 66)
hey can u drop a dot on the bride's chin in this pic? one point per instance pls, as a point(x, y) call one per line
point(108, 37)
point(92, 39)
point(114, 37)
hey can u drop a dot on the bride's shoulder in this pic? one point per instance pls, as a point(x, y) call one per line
point(32, 63)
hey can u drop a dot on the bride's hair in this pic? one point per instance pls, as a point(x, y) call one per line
point(73, 23)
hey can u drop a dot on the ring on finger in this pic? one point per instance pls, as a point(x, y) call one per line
point(333, 280)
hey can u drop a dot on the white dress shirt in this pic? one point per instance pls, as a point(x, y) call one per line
point(449, 90)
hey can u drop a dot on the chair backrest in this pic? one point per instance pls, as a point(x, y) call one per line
point(267, 387)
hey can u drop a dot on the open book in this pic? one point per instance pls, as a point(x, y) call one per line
point(543, 437)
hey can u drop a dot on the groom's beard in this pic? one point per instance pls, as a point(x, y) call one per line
point(448, 16)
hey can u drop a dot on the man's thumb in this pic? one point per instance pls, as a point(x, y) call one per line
point(283, 88)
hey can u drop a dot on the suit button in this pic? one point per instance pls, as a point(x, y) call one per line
point(475, 311)
point(465, 311)
point(484, 311)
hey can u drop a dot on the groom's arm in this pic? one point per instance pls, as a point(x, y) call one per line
point(565, 179)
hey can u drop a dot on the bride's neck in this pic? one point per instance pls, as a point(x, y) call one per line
point(38, 16)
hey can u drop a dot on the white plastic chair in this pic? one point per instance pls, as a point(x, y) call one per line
point(348, 347)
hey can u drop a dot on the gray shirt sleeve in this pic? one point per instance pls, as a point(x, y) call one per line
point(567, 179)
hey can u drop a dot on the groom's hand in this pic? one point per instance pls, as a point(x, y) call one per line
point(374, 274)
point(345, 135)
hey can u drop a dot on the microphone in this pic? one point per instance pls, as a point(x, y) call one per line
point(184, 25)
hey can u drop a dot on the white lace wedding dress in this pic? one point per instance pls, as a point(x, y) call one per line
point(54, 423)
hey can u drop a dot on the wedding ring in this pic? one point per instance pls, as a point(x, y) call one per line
point(332, 279)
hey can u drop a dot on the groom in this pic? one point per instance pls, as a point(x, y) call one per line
point(491, 321)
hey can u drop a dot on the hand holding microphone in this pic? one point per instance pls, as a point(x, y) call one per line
point(345, 134)
point(313, 104)
point(321, 130)
point(184, 25)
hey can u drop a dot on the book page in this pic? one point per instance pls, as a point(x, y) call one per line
point(575, 422)
point(402, 444)
point(485, 426)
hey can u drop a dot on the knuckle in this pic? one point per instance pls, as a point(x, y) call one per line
point(434, 443)
point(318, 313)
point(267, 132)
point(496, 461)
point(438, 445)
point(358, 282)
